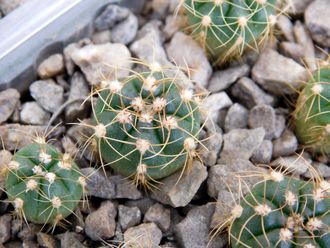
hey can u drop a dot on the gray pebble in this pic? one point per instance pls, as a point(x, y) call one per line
point(241, 143)
point(317, 20)
point(5, 228)
point(48, 94)
point(286, 145)
point(280, 76)
point(160, 215)
point(250, 94)
point(52, 66)
point(263, 116)
point(125, 31)
point(101, 224)
point(263, 154)
point(33, 114)
point(144, 235)
point(128, 216)
point(110, 16)
point(237, 117)
point(221, 80)
point(9, 99)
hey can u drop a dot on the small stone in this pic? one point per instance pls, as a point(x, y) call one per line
point(45, 240)
point(213, 143)
point(286, 145)
point(110, 16)
point(52, 66)
point(128, 216)
point(223, 177)
point(241, 143)
point(101, 224)
point(101, 37)
point(5, 228)
point(214, 103)
point(304, 39)
point(285, 77)
point(279, 126)
point(250, 94)
point(292, 50)
point(187, 54)
point(322, 170)
point(103, 60)
point(143, 204)
point(263, 154)
point(298, 7)
point(317, 20)
point(9, 99)
point(237, 117)
point(193, 231)
point(149, 45)
point(5, 158)
point(178, 192)
point(144, 235)
point(28, 232)
point(125, 189)
point(291, 164)
point(159, 8)
point(125, 31)
point(159, 215)
point(17, 136)
point(29, 244)
point(98, 184)
point(33, 114)
point(263, 116)
point(48, 94)
point(172, 25)
point(285, 26)
point(78, 90)
point(221, 80)
point(71, 240)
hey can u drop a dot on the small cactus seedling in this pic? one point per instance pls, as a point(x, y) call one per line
point(43, 185)
point(225, 28)
point(312, 115)
point(146, 125)
point(282, 211)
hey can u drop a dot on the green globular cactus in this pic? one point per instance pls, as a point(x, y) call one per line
point(146, 125)
point(282, 211)
point(225, 28)
point(44, 185)
point(312, 114)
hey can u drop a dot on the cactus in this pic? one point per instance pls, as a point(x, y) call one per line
point(282, 211)
point(225, 28)
point(43, 185)
point(312, 114)
point(146, 125)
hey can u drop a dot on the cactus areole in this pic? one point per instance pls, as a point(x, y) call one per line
point(225, 28)
point(285, 212)
point(146, 125)
point(44, 185)
point(313, 113)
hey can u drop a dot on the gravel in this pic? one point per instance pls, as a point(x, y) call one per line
point(284, 78)
point(9, 99)
point(317, 20)
point(246, 116)
point(48, 94)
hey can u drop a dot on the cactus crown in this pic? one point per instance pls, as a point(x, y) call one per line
point(44, 185)
point(146, 125)
point(312, 113)
point(226, 28)
point(282, 211)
